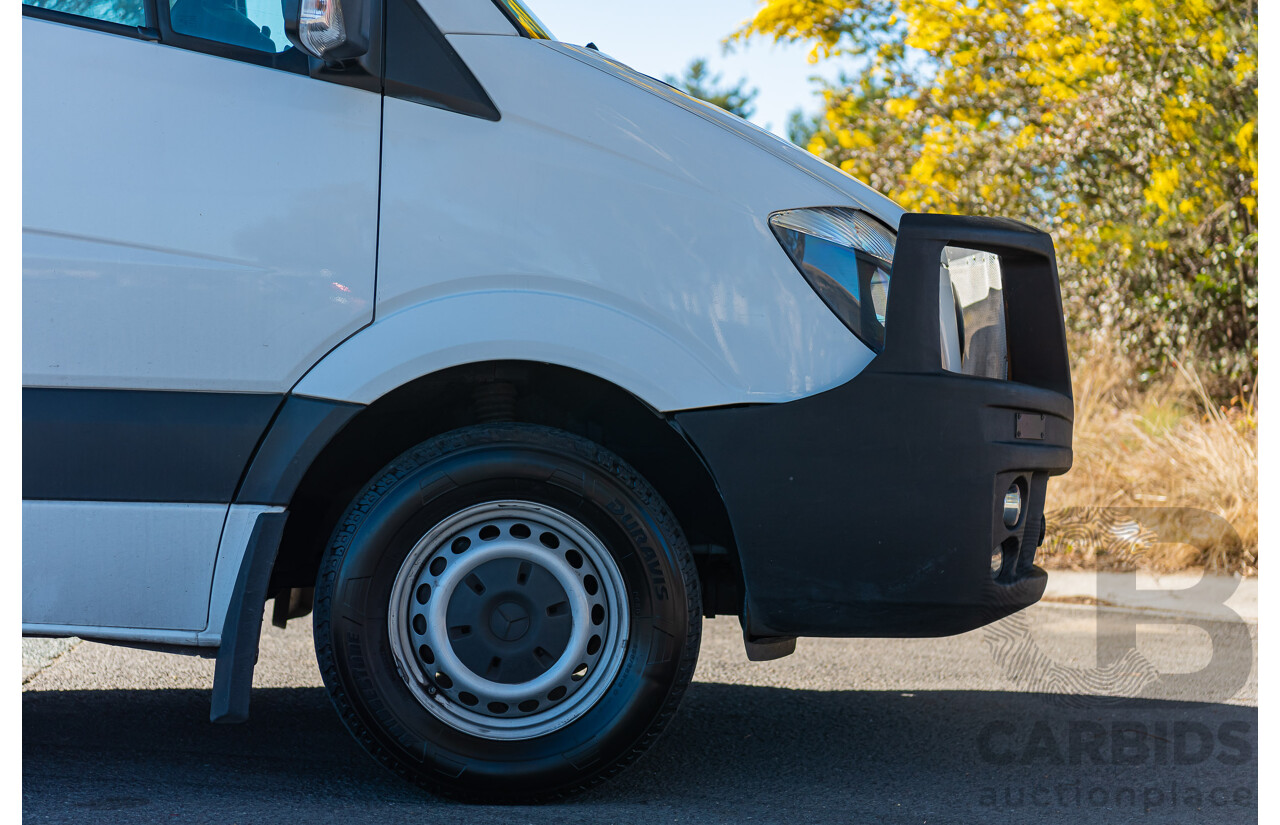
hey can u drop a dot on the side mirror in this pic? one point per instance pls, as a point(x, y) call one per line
point(332, 30)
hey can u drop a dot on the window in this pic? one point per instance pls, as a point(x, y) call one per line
point(124, 12)
point(250, 31)
point(524, 19)
point(251, 24)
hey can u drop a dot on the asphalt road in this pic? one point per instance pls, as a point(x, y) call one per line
point(1013, 723)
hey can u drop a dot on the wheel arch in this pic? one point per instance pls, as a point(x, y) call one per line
point(668, 364)
point(524, 391)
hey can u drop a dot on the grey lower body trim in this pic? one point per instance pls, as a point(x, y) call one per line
point(126, 567)
point(161, 592)
point(176, 638)
point(238, 653)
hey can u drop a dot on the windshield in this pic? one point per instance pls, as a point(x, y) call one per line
point(525, 20)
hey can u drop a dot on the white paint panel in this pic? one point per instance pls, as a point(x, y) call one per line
point(648, 220)
point(847, 186)
point(189, 222)
point(523, 324)
point(118, 564)
point(468, 17)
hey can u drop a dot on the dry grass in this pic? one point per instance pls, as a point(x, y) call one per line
point(1163, 478)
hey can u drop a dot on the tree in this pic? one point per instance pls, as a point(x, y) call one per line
point(700, 83)
point(801, 127)
point(1127, 128)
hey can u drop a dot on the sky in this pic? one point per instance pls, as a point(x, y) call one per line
point(661, 37)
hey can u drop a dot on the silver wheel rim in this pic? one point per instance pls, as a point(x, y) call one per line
point(508, 620)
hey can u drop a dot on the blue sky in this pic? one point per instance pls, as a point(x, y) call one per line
point(660, 37)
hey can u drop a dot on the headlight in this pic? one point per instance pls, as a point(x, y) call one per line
point(846, 256)
point(978, 294)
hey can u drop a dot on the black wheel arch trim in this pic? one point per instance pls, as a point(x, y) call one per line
point(302, 428)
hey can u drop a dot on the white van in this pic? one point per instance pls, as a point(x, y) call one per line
point(509, 361)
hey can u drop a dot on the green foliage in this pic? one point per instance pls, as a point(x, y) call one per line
point(801, 128)
point(1125, 127)
point(700, 83)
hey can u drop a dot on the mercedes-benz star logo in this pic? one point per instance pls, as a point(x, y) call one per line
point(509, 621)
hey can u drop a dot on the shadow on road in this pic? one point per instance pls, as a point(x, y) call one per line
point(733, 751)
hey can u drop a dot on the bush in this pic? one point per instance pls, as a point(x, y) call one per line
point(1127, 128)
point(1166, 446)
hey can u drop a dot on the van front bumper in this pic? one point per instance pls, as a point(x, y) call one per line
point(875, 508)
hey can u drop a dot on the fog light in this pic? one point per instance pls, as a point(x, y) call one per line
point(997, 561)
point(1012, 506)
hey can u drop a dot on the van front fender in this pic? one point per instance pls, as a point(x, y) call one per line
point(669, 369)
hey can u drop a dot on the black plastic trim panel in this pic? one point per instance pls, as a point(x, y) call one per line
point(422, 67)
point(139, 445)
point(1035, 332)
point(873, 509)
point(148, 32)
point(301, 430)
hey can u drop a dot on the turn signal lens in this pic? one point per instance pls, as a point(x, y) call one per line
point(321, 28)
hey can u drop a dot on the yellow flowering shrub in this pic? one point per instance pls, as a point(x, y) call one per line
point(1127, 128)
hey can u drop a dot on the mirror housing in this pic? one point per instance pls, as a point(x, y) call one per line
point(331, 30)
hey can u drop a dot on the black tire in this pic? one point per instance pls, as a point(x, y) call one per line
point(396, 513)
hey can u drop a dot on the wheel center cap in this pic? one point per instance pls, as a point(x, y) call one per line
point(509, 621)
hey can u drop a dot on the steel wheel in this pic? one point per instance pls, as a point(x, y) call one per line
point(508, 620)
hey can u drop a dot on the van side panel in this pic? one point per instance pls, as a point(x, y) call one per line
point(197, 232)
point(189, 222)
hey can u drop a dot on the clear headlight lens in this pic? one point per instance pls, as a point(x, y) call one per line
point(846, 256)
point(978, 292)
